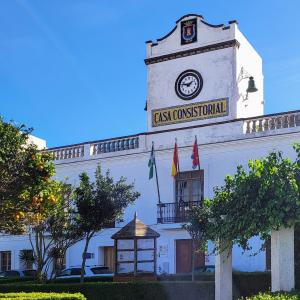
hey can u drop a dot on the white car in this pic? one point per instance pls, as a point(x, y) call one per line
point(93, 271)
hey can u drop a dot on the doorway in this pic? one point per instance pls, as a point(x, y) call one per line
point(184, 256)
point(109, 257)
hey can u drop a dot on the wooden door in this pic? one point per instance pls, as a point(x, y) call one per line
point(109, 257)
point(184, 257)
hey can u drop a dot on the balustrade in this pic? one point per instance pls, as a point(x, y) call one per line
point(95, 148)
point(66, 153)
point(115, 145)
point(272, 122)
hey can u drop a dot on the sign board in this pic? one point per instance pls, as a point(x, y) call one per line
point(190, 112)
point(163, 250)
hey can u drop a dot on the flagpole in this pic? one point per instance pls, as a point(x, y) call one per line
point(199, 168)
point(198, 153)
point(177, 156)
point(157, 185)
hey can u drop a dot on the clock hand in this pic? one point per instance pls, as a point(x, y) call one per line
point(188, 84)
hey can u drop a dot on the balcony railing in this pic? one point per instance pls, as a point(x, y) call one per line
point(272, 122)
point(175, 212)
point(67, 153)
point(115, 145)
point(87, 150)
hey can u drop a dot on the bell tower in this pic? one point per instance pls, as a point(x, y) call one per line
point(201, 73)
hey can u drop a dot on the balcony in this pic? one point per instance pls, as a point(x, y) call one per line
point(175, 212)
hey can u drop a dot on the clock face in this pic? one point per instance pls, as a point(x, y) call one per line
point(188, 84)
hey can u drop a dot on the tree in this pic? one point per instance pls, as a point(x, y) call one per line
point(100, 203)
point(256, 201)
point(63, 230)
point(198, 229)
point(24, 178)
point(53, 234)
point(29, 197)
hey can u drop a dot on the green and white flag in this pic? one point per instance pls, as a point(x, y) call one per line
point(151, 162)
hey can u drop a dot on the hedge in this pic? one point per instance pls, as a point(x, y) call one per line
point(41, 296)
point(96, 291)
point(17, 279)
point(275, 296)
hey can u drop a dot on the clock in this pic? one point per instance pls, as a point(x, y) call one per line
point(188, 85)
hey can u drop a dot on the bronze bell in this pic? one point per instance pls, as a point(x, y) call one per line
point(251, 86)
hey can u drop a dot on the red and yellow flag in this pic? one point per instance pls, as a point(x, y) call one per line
point(175, 163)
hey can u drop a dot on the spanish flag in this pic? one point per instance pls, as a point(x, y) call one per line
point(175, 164)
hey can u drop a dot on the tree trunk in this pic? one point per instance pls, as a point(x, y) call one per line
point(87, 241)
point(39, 262)
point(193, 259)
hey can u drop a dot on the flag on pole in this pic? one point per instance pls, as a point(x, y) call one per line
point(151, 163)
point(175, 163)
point(195, 155)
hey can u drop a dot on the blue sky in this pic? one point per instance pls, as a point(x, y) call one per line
point(74, 70)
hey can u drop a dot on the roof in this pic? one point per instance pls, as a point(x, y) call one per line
point(135, 228)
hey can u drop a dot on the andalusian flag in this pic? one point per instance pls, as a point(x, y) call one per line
point(151, 163)
point(175, 164)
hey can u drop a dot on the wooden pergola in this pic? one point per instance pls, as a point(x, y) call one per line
point(135, 252)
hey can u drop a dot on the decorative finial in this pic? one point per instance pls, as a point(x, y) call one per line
point(135, 215)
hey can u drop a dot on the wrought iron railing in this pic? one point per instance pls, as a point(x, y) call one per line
point(178, 212)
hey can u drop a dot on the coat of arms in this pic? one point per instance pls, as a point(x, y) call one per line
point(188, 31)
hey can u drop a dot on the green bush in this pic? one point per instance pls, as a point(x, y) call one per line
point(41, 296)
point(275, 296)
point(97, 291)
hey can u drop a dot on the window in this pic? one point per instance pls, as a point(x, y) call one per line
point(5, 260)
point(189, 186)
point(26, 259)
point(100, 270)
point(66, 272)
point(76, 271)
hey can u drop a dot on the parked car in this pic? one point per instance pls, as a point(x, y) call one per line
point(205, 269)
point(93, 271)
point(18, 274)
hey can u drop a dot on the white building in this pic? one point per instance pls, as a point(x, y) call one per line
point(197, 86)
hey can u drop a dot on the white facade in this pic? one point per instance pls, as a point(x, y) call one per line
point(223, 57)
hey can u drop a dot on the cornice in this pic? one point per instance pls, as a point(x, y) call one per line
point(194, 51)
